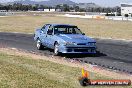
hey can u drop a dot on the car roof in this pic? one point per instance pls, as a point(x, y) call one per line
point(60, 24)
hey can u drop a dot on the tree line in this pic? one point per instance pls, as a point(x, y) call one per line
point(64, 8)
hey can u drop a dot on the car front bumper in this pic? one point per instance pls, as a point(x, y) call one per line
point(77, 49)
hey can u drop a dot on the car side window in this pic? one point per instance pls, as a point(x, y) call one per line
point(44, 28)
point(71, 30)
point(50, 30)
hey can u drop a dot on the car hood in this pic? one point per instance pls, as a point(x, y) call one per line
point(78, 38)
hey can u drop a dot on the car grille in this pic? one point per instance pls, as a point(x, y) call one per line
point(81, 44)
point(69, 50)
point(80, 50)
point(80, 47)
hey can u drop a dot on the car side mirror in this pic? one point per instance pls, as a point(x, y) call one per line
point(49, 32)
point(83, 33)
point(41, 31)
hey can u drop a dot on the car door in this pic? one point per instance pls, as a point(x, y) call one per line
point(50, 37)
point(43, 34)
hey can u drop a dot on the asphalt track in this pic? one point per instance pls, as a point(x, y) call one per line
point(112, 54)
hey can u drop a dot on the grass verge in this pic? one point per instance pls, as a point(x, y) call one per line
point(25, 72)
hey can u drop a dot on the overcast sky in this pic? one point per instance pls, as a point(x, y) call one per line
point(99, 2)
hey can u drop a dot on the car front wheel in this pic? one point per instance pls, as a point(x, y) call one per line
point(56, 49)
point(39, 45)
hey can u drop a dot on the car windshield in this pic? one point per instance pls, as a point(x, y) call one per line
point(62, 29)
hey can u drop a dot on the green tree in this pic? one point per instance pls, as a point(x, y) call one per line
point(66, 8)
point(77, 8)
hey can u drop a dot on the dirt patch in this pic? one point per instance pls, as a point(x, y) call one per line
point(72, 63)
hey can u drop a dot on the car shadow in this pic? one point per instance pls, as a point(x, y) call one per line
point(98, 54)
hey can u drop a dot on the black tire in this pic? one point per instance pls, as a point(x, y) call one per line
point(39, 45)
point(56, 49)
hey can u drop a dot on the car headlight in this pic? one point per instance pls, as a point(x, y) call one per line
point(69, 43)
point(92, 44)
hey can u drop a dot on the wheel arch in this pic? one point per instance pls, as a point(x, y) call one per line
point(37, 38)
point(55, 42)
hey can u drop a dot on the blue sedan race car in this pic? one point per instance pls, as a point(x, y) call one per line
point(64, 39)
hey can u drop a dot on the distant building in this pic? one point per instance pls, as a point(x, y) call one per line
point(126, 9)
point(50, 10)
point(3, 11)
point(72, 10)
point(40, 9)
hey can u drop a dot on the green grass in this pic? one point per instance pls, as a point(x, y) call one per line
point(92, 27)
point(25, 72)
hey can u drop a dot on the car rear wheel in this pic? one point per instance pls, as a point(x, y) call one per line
point(39, 45)
point(56, 49)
